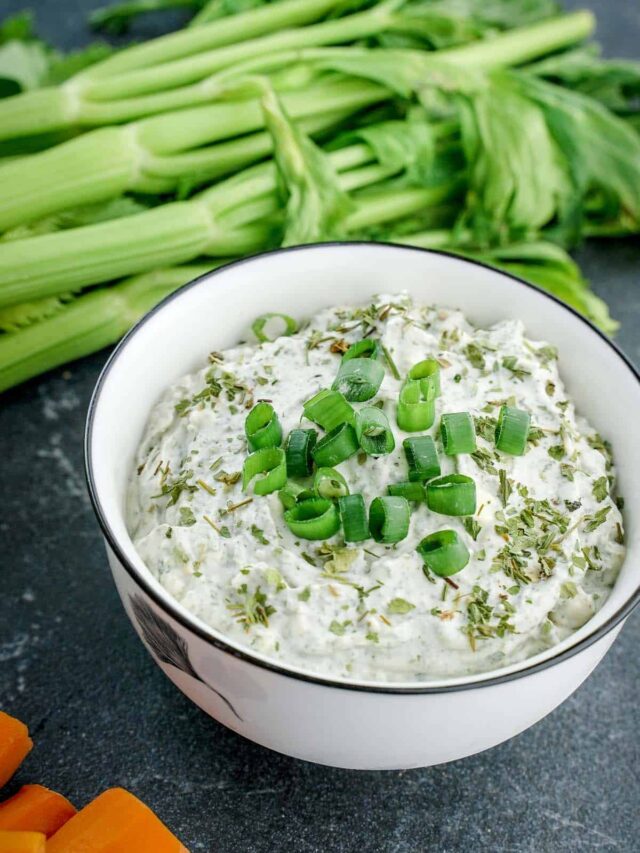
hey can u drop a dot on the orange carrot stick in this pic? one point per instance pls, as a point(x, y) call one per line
point(22, 842)
point(114, 822)
point(15, 744)
point(35, 809)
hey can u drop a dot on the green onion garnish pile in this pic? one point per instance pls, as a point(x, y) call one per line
point(316, 496)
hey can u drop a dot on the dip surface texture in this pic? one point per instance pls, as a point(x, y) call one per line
point(545, 542)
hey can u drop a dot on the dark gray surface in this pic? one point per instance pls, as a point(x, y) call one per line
point(102, 713)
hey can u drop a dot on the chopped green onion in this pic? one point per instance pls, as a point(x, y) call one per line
point(359, 379)
point(427, 373)
point(293, 493)
point(373, 431)
point(353, 514)
point(414, 414)
point(269, 461)
point(411, 491)
point(317, 518)
point(258, 327)
point(300, 443)
point(262, 427)
point(336, 446)
point(422, 458)
point(512, 430)
point(329, 483)
point(389, 519)
point(458, 433)
point(454, 494)
point(366, 348)
point(329, 409)
point(444, 553)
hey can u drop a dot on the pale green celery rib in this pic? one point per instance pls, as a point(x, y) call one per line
point(510, 48)
point(268, 18)
point(51, 109)
point(40, 111)
point(253, 219)
point(161, 174)
point(90, 168)
point(437, 238)
point(366, 176)
point(68, 260)
point(394, 204)
point(251, 195)
point(174, 233)
point(252, 238)
point(87, 324)
point(191, 128)
point(194, 68)
point(205, 91)
point(523, 44)
point(106, 162)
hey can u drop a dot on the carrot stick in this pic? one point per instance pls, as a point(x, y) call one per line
point(22, 842)
point(15, 744)
point(114, 822)
point(35, 809)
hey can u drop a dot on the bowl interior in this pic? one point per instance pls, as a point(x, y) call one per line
point(216, 312)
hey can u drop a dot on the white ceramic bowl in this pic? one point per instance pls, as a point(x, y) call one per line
point(349, 723)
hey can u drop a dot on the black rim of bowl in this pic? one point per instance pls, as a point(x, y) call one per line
point(208, 636)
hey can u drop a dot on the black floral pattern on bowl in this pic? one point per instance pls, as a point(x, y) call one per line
point(167, 645)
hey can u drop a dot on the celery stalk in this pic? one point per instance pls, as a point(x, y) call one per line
point(113, 90)
point(110, 161)
point(269, 18)
point(167, 62)
point(218, 222)
point(164, 174)
point(87, 324)
point(37, 112)
point(68, 260)
point(188, 70)
point(388, 206)
point(524, 44)
point(66, 175)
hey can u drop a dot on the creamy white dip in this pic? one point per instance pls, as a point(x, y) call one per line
point(545, 543)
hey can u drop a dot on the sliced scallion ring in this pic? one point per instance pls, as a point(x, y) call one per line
point(262, 427)
point(329, 483)
point(444, 553)
point(359, 379)
point(298, 447)
point(512, 430)
point(353, 515)
point(413, 413)
point(427, 373)
point(389, 519)
point(329, 409)
point(422, 458)
point(458, 433)
point(289, 326)
point(317, 518)
point(269, 461)
point(336, 446)
point(410, 490)
point(454, 494)
point(373, 431)
point(293, 493)
point(366, 348)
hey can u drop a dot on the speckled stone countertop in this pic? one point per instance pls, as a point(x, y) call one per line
point(102, 714)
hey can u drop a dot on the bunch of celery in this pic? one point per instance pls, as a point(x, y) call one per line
point(484, 128)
